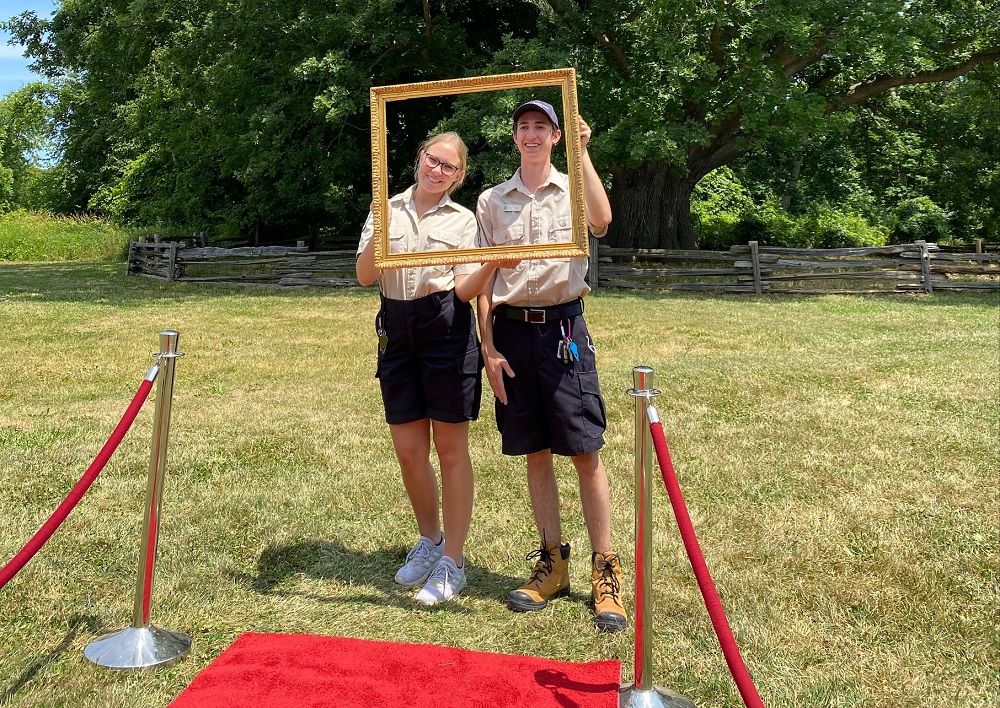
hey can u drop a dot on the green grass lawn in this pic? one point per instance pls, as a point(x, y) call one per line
point(838, 455)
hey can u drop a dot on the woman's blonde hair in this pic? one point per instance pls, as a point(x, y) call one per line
point(448, 137)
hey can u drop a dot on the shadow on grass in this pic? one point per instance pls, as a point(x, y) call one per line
point(371, 573)
point(558, 681)
point(106, 283)
point(78, 622)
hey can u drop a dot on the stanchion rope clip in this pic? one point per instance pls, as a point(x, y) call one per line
point(160, 356)
point(648, 394)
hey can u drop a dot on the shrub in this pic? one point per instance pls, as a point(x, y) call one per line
point(830, 228)
point(770, 225)
point(716, 232)
point(920, 219)
point(751, 227)
point(720, 191)
point(724, 214)
point(718, 203)
point(41, 189)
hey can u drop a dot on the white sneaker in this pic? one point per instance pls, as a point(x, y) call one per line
point(420, 561)
point(444, 583)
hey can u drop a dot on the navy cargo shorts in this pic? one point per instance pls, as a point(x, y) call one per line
point(431, 364)
point(550, 405)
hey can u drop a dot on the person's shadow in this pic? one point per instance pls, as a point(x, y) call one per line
point(558, 682)
point(370, 575)
point(78, 622)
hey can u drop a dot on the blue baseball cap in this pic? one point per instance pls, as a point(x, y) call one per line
point(541, 107)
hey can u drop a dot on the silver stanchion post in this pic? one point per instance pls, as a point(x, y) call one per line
point(143, 645)
point(642, 693)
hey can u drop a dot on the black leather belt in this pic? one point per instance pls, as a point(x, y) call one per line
point(541, 315)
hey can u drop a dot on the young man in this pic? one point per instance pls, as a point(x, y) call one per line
point(540, 359)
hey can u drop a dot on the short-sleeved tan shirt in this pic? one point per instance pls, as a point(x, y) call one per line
point(446, 226)
point(509, 215)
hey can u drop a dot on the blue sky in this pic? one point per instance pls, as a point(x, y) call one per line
point(14, 71)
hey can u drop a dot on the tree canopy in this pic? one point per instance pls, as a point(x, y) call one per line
point(25, 128)
point(687, 87)
point(241, 116)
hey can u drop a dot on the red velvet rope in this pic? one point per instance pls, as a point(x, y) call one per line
point(712, 602)
point(59, 515)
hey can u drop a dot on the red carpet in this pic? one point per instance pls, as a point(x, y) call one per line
point(301, 670)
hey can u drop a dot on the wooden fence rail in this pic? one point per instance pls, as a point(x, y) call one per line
point(912, 267)
point(249, 266)
point(755, 269)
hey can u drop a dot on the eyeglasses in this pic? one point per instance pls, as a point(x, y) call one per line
point(447, 169)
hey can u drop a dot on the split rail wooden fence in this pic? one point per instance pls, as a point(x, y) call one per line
point(248, 266)
point(913, 267)
point(754, 269)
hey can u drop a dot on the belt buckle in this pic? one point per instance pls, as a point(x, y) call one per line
point(534, 316)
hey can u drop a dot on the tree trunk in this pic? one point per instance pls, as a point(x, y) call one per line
point(651, 207)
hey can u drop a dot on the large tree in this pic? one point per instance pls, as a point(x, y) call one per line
point(678, 88)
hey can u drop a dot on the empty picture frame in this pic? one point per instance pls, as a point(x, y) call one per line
point(381, 95)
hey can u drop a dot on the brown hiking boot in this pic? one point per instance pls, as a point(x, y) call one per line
point(606, 581)
point(549, 579)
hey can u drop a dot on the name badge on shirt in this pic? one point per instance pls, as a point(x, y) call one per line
point(511, 207)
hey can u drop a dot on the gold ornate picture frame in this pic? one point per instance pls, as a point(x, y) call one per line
point(381, 95)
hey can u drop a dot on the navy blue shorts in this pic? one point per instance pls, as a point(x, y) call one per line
point(431, 365)
point(550, 405)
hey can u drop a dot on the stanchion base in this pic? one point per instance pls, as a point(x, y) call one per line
point(138, 648)
point(631, 697)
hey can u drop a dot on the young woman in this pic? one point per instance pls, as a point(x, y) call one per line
point(429, 364)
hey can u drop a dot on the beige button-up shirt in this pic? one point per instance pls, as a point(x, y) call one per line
point(448, 225)
point(509, 215)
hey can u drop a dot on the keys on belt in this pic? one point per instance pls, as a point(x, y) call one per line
point(383, 337)
point(567, 351)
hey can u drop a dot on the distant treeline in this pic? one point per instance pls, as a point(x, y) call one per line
point(790, 123)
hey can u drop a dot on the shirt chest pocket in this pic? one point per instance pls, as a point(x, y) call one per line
point(560, 230)
point(510, 236)
point(397, 240)
point(441, 240)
